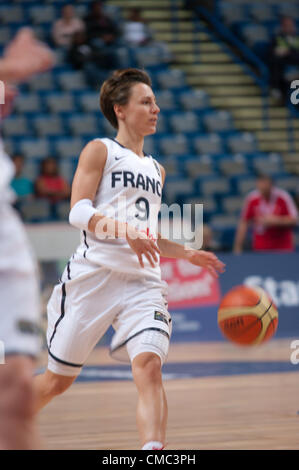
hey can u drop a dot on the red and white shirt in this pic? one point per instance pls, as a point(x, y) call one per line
point(280, 204)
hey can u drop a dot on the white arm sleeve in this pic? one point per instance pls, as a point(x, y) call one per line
point(81, 214)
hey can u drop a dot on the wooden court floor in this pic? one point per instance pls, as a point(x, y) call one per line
point(241, 411)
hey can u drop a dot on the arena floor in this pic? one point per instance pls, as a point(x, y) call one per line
point(220, 396)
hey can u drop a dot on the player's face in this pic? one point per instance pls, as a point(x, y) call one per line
point(141, 111)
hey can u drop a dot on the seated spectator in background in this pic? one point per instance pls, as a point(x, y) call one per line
point(284, 52)
point(21, 185)
point(99, 26)
point(93, 61)
point(66, 26)
point(50, 185)
point(136, 31)
point(273, 216)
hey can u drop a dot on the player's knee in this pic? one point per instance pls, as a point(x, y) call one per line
point(58, 384)
point(147, 369)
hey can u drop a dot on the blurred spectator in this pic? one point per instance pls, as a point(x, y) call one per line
point(99, 26)
point(94, 61)
point(21, 185)
point(273, 216)
point(284, 52)
point(66, 26)
point(136, 31)
point(50, 184)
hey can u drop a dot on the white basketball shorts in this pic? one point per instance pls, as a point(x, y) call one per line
point(19, 292)
point(89, 299)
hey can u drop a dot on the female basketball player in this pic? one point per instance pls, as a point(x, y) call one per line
point(114, 276)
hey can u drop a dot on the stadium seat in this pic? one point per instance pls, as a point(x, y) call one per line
point(162, 126)
point(26, 103)
point(218, 121)
point(232, 204)
point(31, 169)
point(44, 81)
point(171, 79)
point(48, 125)
point(194, 100)
point(35, 148)
point(174, 145)
point(268, 165)
point(37, 210)
point(199, 166)
point(289, 9)
point(5, 35)
point(12, 14)
point(165, 100)
point(245, 184)
point(171, 166)
point(89, 101)
point(150, 146)
point(262, 13)
point(210, 144)
point(186, 122)
point(42, 14)
point(67, 167)
point(242, 143)
point(234, 165)
point(72, 81)
point(288, 183)
point(211, 185)
point(62, 210)
point(232, 13)
point(69, 147)
point(176, 185)
point(15, 126)
point(84, 124)
point(60, 102)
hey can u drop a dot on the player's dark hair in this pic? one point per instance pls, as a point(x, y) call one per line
point(117, 90)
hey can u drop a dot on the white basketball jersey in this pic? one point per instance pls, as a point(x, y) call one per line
point(6, 175)
point(130, 191)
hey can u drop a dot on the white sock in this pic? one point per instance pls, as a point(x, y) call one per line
point(153, 445)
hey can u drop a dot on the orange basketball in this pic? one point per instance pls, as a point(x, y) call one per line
point(247, 316)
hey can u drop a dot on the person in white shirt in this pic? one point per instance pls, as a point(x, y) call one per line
point(65, 27)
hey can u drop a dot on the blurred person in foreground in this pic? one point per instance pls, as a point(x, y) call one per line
point(273, 216)
point(19, 307)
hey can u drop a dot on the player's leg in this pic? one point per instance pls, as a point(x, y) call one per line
point(18, 429)
point(152, 404)
point(48, 385)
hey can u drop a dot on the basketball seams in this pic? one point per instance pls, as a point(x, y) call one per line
point(254, 328)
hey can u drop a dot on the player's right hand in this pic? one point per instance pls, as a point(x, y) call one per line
point(142, 245)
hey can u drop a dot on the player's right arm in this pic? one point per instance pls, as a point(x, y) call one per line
point(84, 216)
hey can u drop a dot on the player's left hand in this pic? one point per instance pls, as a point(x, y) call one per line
point(207, 260)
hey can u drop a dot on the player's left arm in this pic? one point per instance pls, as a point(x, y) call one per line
point(170, 249)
